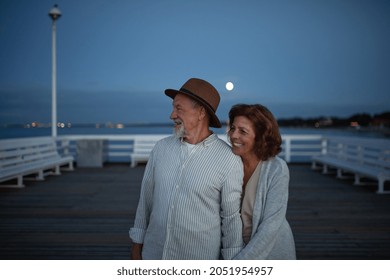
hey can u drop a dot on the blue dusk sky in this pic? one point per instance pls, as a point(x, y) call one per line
point(115, 58)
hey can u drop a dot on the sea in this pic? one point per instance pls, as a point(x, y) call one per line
point(18, 132)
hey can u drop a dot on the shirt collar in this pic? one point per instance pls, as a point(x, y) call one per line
point(206, 142)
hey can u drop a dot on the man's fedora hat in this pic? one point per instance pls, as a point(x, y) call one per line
point(204, 93)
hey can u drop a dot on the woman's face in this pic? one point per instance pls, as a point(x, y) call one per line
point(242, 136)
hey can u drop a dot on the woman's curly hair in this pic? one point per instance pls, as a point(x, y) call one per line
point(268, 140)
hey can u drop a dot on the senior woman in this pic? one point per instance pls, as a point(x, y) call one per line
point(254, 136)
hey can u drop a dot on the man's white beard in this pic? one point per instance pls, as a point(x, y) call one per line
point(179, 133)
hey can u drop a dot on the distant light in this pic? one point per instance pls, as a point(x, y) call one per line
point(229, 86)
point(354, 124)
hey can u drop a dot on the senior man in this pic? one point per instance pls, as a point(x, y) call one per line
point(189, 206)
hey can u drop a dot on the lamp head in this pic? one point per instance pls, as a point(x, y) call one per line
point(55, 13)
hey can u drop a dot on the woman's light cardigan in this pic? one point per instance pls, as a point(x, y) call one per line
point(272, 237)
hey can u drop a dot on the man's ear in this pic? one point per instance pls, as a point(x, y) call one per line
point(202, 113)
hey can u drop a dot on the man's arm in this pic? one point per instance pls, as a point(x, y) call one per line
point(232, 241)
point(141, 222)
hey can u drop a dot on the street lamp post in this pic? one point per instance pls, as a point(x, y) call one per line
point(54, 14)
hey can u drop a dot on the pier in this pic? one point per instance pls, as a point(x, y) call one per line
point(86, 214)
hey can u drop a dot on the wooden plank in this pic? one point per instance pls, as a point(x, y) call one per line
point(333, 219)
point(86, 214)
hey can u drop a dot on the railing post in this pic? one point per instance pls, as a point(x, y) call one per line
point(324, 144)
point(65, 144)
point(288, 149)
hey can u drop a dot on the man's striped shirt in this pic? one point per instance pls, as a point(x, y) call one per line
point(189, 206)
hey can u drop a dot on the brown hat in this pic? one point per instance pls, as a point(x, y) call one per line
point(204, 93)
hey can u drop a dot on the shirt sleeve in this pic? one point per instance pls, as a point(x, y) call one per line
point(141, 222)
point(232, 241)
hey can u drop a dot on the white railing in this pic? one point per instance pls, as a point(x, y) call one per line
point(117, 148)
point(301, 147)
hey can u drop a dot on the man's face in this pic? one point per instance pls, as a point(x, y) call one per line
point(185, 115)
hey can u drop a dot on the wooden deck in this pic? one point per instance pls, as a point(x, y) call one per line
point(86, 214)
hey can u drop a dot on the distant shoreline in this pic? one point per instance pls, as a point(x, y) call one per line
point(379, 122)
point(17, 131)
point(35, 125)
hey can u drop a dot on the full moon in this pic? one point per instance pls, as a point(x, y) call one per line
point(229, 86)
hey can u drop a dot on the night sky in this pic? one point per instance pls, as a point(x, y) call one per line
point(115, 58)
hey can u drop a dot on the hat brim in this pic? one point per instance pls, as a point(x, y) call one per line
point(214, 121)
